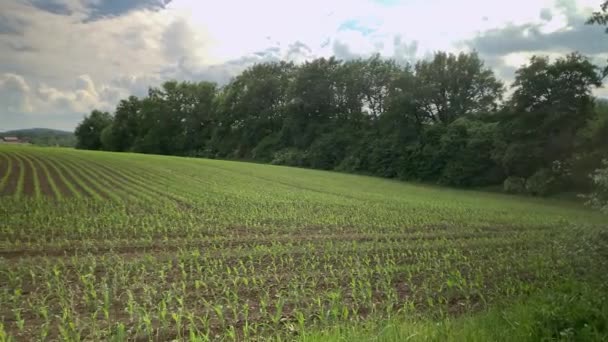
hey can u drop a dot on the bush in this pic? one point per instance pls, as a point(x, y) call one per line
point(521, 159)
point(290, 157)
point(265, 148)
point(541, 183)
point(599, 197)
point(514, 185)
point(352, 163)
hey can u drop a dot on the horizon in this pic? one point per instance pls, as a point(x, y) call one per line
point(106, 51)
point(34, 128)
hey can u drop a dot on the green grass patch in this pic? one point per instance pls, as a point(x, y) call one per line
point(574, 311)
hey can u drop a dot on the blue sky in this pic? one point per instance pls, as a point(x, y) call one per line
point(59, 59)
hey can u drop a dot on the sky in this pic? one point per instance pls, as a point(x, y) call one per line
point(59, 59)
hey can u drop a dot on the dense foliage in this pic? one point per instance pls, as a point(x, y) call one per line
point(599, 197)
point(443, 120)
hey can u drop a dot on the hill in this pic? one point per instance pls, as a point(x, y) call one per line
point(109, 246)
point(44, 136)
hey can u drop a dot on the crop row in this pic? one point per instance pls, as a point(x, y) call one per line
point(102, 246)
point(273, 289)
point(41, 175)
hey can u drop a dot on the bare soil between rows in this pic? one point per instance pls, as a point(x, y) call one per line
point(10, 187)
point(29, 182)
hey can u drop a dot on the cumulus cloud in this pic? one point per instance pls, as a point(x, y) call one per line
point(96, 9)
point(11, 25)
point(61, 58)
point(22, 96)
point(576, 35)
point(30, 101)
point(14, 93)
point(404, 52)
point(546, 14)
point(107, 8)
point(560, 30)
point(297, 52)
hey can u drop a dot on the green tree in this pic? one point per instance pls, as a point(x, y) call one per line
point(313, 102)
point(107, 138)
point(451, 86)
point(600, 17)
point(127, 119)
point(252, 107)
point(466, 148)
point(551, 103)
point(177, 118)
point(591, 148)
point(159, 127)
point(436, 121)
point(88, 132)
point(599, 197)
point(377, 76)
point(198, 110)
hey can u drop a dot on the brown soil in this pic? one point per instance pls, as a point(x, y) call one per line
point(85, 177)
point(43, 178)
point(11, 184)
point(3, 165)
point(117, 177)
point(71, 180)
point(171, 246)
point(29, 186)
point(54, 176)
point(109, 179)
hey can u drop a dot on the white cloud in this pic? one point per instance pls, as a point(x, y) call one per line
point(19, 96)
point(63, 62)
point(14, 93)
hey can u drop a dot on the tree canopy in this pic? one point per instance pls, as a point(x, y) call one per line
point(443, 120)
point(600, 17)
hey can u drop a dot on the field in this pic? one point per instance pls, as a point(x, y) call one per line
point(107, 246)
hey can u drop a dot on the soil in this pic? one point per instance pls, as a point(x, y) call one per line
point(29, 186)
point(63, 189)
point(10, 186)
point(43, 181)
point(71, 180)
point(116, 177)
point(3, 165)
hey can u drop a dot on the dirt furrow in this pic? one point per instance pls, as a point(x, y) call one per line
point(44, 179)
point(10, 186)
point(29, 179)
point(109, 179)
point(4, 167)
point(80, 171)
point(70, 178)
point(49, 180)
point(130, 182)
point(55, 176)
point(6, 171)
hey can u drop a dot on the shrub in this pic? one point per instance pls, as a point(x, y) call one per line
point(352, 163)
point(290, 157)
point(514, 185)
point(264, 149)
point(541, 183)
point(599, 197)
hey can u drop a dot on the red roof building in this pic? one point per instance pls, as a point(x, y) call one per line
point(12, 140)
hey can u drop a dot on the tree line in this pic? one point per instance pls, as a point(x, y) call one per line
point(446, 120)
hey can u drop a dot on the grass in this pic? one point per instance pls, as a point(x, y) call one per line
point(572, 311)
point(109, 246)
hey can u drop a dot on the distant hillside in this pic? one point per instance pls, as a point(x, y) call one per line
point(44, 136)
